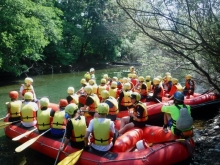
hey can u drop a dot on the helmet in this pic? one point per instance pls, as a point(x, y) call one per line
point(70, 90)
point(105, 94)
point(13, 94)
point(28, 80)
point(114, 84)
point(91, 82)
point(71, 108)
point(169, 78)
point(132, 67)
point(91, 70)
point(28, 96)
point(141, 78)
point(133, 75)
point(88, 89)
point(147, 77)
point(87, 75)
point(168, 74)
point(63, 103)
point(44, 102)
point(141, 145)
point(160, 78)
point(83, 81)
point(105, 76)
point(136, 96)
point(125, 80)
point(129, 75)
point(156, 81)
point(103, 81)
point(103, 108)
point(127, 86)
point(115, 78)
point(178, 96)
point(174, 80)
point(188, 76)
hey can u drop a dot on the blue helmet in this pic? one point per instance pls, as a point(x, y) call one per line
point(178, 96)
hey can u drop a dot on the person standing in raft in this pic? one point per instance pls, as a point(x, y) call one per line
point(102, 129)
point(179, 121)
point(44, 115)
point(28, 111)
point(112, 103)
point(92, 73)
point(75, 129)
point(72, 97)
point(189, 86)
point(59, 120)
point(138, 116)
point(124, 99)
point(27, 87)
point(14, 107)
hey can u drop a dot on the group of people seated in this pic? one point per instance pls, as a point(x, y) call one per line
point(90, 122)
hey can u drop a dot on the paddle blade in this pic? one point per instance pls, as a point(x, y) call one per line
point(72, 158)
point(26, 144)
point(23, 135)
point(4, 124)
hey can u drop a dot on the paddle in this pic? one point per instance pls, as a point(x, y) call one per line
point(5, 124)
point(3, 118)
point(72, 158)
point(23, 135)
point(29, 142)
point(60, 148)
point(176, 140)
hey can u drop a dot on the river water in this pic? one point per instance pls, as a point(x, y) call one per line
point(53, 86)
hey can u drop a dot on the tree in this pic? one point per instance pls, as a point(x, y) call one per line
point(185, 30)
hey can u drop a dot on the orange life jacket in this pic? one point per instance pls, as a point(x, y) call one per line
point(144, 117)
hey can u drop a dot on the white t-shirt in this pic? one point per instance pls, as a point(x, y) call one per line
point(32, 88)
point(91, 128)
point(33, 123)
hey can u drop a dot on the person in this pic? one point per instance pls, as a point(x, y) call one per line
point(138, 116)
point(28, 111)
point(114, 91)
point(75, 129)
point(119, 85)
point(172, 114)
point(102, 129)
point(157, 91)
point(149, 83)
point(124, 99)
point(93, 85)
point(175, 87)
point(189, 86)
point(167, 84)
point(92, 73)
point(134, 79)
point(72, 97)
point(132, 70)
point(101, 87)
point(92, 101)
point(81, 93)
point(141, 88)
point(112, 103)
point(14, 107)
point(44, 115)
point(59, 120)
point(87, 76)
point(27, 87)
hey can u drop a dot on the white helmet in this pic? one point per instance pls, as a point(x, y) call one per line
point(91, 70)
point(28, 80)
point(70, 90)
point(141, 145)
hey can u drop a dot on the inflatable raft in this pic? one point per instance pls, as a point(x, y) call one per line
point(165, 148)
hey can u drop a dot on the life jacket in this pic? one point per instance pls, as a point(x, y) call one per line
point(148, 83)
point(15, 109)
point(43, 119)
point(79, 129)
point(145, 114)
point(161, 94)
point(100, 89)
point(126, 100)
point(114, 109)
point(132, 86)
point(119, 85)
point(187, 85)
point(27, 113)
point(143, 92)
point(134, 81)
point(26, 89)
point(175, 88)
point(75, 99)
point(101, 133)
point(59, 120)
point(113, 92)
point(95, 103)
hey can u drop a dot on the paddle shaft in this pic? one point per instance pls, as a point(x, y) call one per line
point(7, 123)
point(29, 142)
point(3, 118)
point(176, 140)
point(23, 135)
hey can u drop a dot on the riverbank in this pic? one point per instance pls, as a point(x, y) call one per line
point(207, 140)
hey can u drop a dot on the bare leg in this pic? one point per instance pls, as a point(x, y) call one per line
point(124, 121)
point(126, 128)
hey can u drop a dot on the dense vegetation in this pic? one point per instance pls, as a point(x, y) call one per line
point(171, 35)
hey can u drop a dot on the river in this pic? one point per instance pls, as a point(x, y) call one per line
point(53, 86)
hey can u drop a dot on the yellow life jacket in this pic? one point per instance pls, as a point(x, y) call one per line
point(75, 99)
point(59, 120)
point(79, 129)
point(101, 132)
point(145, 114)
point(113, 92)
point(43, 119)
point(96, 102)
point(148, 83)
point(27, 113)
point(179, 87)
point(126, 100)
point(114, 109)
point(100, 89)
point(15, 108)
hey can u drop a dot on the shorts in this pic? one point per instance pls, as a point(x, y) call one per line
point(137, 123)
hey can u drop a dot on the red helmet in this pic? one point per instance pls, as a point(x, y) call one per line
point(63, 103)
point(13, 94)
